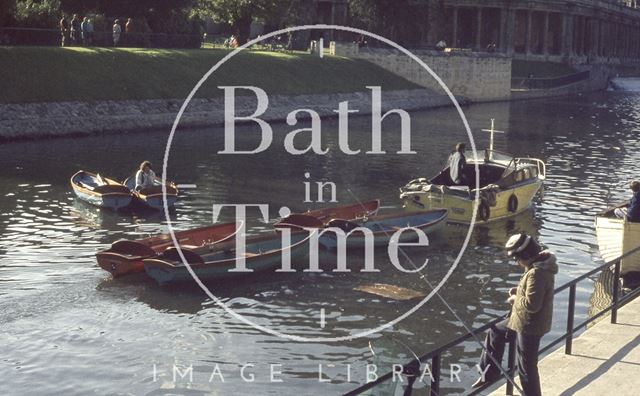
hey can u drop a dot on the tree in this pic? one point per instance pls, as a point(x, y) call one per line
point(7, 9)
point(38, 14)
point(240, 13)
point(405, 21)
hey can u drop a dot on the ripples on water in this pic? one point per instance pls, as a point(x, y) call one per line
point(68, 328)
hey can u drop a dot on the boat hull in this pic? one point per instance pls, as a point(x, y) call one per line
point(152, 197)
point(384, 227)
point(113, 201)
point(345, 212)
point(216, 267)
point(126, 257)
point(461, 207)
point(616, 237)
point(100, 192)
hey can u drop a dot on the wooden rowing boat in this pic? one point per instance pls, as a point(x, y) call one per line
point(345, 212)
point(151, 197)
point(125, 256)
point(262, 253)
point(618, 236)
point(380, 229)
point(100, 191)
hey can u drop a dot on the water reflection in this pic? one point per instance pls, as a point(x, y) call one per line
point(58, 306)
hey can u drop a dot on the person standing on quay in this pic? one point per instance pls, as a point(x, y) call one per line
point(117, 31)
point(530, 316)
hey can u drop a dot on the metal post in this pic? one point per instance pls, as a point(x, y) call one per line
point(616, 287)
point(435, 372)
point(570, 315)
point(511, 364)
point(493, 120)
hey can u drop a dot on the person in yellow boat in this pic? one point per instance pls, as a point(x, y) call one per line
point(457, 161)
point(146, 177)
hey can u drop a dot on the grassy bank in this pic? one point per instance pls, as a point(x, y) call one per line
point(52, 74)
point(523, 69)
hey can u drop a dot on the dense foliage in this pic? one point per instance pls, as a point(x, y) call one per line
point(405, 21)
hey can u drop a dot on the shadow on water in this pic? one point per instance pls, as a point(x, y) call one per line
point(497, 232)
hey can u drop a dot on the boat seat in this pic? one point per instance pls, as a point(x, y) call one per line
point(86, 185)
point(247, 254)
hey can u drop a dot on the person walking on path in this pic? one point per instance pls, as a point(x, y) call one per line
point(89, 32)
point(64, 32)
point(530, 316)
point(128, 30)
point(83, 30)
point(117, 31)
point(75, 30)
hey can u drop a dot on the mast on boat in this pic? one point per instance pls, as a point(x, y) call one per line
point(492, 131)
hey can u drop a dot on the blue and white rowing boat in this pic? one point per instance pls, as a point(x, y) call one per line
point(100, 191)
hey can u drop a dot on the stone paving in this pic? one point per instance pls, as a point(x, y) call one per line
point(605, 360)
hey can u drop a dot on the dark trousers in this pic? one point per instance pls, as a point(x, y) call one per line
point(527, 348)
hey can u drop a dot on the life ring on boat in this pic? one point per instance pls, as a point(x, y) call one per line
point(512, 204)
point(484, 211)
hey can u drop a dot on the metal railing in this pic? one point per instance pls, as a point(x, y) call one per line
point(547, 83)
point(434, 357)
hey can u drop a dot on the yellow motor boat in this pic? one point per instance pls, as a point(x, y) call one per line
point(507, 187)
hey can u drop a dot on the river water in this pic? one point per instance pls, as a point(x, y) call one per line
point(66, 327)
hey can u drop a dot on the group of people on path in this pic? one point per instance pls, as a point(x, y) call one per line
point(74, 32)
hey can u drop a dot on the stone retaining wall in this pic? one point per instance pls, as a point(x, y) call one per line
point(26, 121)
point(479, 76)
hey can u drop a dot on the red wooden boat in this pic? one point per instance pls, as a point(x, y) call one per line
point(347, 212)
point(125, 256)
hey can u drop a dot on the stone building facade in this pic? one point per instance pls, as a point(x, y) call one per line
point(573, 31)
point(577, 31)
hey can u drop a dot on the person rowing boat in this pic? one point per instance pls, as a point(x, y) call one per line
point(146, 177)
